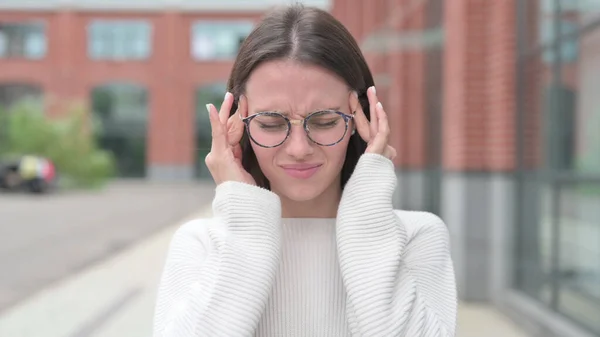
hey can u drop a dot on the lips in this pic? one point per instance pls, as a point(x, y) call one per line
point(301, 171)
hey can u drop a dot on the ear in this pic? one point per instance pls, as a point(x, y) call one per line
point(353, 103)
point(243, 106)
point(354, 106)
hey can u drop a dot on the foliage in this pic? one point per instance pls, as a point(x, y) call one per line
point(68, 140)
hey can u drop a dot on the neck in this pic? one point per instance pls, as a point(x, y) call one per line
point(323, 206)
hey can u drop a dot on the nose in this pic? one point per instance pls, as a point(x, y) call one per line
point(298, 145)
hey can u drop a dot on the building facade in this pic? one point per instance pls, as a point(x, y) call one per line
point(493, 107)
point(145, 71)
point(496, 116)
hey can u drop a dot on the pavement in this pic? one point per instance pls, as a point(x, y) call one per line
point(115, 297)
point(45, 238)
point(112, 298)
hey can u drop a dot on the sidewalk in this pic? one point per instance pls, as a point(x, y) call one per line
point(113, 298)
point(116, 298)
point(485, 321)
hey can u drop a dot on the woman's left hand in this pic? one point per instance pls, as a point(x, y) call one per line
point(376, 132)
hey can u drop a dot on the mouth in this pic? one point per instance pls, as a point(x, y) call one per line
point(301, 171)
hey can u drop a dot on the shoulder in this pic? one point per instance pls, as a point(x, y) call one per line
point(424, 225)
point(192, 235)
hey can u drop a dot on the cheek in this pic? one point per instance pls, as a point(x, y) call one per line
point(264, 157)
point(336, 155)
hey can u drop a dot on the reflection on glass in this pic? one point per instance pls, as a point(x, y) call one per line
point(119, 39)
point(588, 105)
point(11, 93)
point(559, 228)
point(578, 266)
point(23, 40)
point(121, 113)
point(218, 40)
point(212, 93)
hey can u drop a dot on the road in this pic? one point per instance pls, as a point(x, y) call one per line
point(46, 238)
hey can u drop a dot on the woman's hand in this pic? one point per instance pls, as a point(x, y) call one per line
point(376, 133)
point(225, 158)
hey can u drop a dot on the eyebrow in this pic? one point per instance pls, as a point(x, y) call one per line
point(286, 113)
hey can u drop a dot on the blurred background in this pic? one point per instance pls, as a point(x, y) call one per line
point(495, 112)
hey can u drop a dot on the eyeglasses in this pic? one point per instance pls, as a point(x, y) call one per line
point(271, 129)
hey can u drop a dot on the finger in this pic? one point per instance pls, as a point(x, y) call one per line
point(233, 128)
point(225, 108)
point(360, 120)
point(371, 94)
point(391, 153)
point(235, 116)
point(237, 152)
point(384, 125)
point(218, 134)
point(380, 141)
point(236, 127)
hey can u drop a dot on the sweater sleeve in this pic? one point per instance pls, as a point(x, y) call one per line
point(219, 272)
point(398, 273)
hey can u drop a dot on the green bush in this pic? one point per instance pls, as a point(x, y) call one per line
point(68, 140)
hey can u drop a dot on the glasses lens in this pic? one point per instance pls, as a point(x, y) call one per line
point(326, 127)
point(268, 129)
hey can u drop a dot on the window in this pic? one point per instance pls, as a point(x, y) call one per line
point(211, 93)
point(558, 233)
point(121, 113)
point(218, 40)
point(119, 40)
point(22, 40)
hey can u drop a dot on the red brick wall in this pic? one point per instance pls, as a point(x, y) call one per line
point(413, 125)
point(464, 82)
point(479, 109)
point(404, 97)
point(478, 80)
point(479, 128)
point(501, 84)
point(396, 102)
point(170, 75)
point(535, 75)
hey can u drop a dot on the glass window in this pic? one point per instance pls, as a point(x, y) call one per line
point(23, 40)
point(121, 115)
point(212, 93)
point(218, 40)
point(119, 40)
point(13, 93)
point(559, 228)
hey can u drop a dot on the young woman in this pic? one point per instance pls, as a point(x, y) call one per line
point(304, 240)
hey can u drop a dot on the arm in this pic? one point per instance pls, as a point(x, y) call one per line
point(218, 274)
point(398, 283)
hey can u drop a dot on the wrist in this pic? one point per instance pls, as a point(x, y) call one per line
point(240, 202)
point(374, 172)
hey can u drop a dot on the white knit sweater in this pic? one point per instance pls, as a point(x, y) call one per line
point(372, 271)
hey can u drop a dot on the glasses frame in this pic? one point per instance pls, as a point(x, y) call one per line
point(347, 118)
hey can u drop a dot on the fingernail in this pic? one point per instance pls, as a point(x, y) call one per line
point(208, 108)
point(226, 95)
point(374, 91)
point(380, 105)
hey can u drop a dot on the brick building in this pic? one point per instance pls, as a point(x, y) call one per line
point(492, 104)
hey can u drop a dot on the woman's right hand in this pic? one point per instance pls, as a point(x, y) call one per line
point(225, 158)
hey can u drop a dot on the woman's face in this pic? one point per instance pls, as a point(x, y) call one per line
point(298, 169)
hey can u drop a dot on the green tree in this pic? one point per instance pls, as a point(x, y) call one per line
point(69, 141)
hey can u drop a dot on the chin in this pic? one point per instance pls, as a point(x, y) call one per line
point(298, 191)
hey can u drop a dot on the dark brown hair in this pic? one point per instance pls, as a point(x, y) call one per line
point(310, 36)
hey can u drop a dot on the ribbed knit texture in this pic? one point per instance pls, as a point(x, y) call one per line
point(372, 271)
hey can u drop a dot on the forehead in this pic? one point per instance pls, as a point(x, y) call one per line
point(290, 86)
